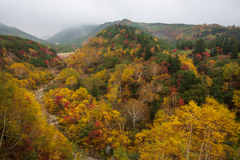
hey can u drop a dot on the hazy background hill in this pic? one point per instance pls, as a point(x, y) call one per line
point(70, 34)
point(12, 31)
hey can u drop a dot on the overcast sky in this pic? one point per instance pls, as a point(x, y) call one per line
point(44, 18)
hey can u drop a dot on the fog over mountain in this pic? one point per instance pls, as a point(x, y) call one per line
point(44, 18)
point(70, 34)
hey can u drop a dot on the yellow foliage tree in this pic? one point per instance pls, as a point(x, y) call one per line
point(229, 70)
point(193, 132)
point(30, 76)
point(4, 52)
point(19, 69)
point(102, 75)
point(68, 72)
point(207, 81)
point(189, 63)
point(236, 98)
point(81, 95)
point(71, 81)
point(210, 64)
point(148, 91)
point(56, 99)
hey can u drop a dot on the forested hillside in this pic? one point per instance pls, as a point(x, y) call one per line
point(128, 91)
point(125, 95)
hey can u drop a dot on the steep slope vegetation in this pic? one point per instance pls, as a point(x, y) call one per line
point(25, 133)
point(17, 49)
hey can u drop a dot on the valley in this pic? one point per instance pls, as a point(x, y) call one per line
point(131, 91)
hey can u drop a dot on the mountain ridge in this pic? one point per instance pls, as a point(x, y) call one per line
point(171, 32)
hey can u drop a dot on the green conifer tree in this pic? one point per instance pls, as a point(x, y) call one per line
point(234, 53)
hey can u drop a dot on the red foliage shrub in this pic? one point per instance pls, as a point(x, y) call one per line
point(97, 124)
point(112, 45)
point(95, 134)
point(179, 78)
point(46, 62)
point(185, 67)
point(198, 57)
point(174, 90)
point(57, 99)
point(181, 102)
point(66, 104)
point(125, 42)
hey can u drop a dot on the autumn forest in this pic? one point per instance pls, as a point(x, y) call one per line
point(128, 93)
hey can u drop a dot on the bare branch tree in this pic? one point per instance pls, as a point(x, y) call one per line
point(136, 110)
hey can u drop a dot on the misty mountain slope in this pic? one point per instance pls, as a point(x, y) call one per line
point(105, 25)
point(71, 34)
point(173, 32)
point(12, 31)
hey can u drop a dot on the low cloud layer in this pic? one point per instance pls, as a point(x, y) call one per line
point(44, 18)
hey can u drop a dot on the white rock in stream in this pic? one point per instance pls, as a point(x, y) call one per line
point(52, 120)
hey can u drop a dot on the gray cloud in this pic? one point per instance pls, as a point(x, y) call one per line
point(46, 17)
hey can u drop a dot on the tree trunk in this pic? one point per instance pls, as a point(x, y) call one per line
point(200, 154)
point(189, 143)
point(120, 88)
point(230, 83)
point(134, 123)
point(4, 126)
